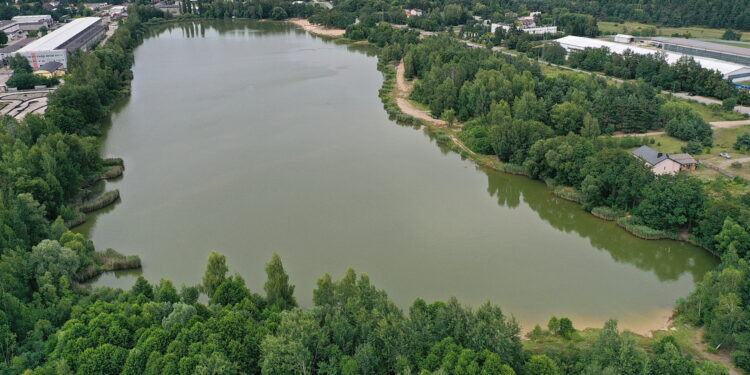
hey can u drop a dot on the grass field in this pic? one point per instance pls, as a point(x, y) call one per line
point(725, 138)
point(723, 141)
point(712, 113)
point(695, 32)
point(667, 144)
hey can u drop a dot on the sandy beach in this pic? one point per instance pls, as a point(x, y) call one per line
point(317, 29)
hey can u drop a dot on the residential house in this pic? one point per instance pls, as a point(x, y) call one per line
point(661, 163)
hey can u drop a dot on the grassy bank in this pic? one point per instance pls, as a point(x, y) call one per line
point(695, 31)
point(111, 260)
point(100, 202)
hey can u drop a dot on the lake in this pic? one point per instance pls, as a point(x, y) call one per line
point(253, 138)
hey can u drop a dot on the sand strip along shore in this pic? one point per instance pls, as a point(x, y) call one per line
point(317, 29)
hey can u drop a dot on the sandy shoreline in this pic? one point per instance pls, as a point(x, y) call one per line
point(317, 29)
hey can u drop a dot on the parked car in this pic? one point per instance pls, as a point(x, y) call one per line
point(725, 155)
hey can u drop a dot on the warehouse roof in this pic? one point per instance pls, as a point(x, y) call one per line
point(35, 18)
point(716, 47)
point(723, 67)
point(58, 37)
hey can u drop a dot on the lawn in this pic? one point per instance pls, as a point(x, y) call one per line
point(695, 32)
point(667, 144)
point(724, 138)
point(714, 112)
point(554, 71)
point(723, 141)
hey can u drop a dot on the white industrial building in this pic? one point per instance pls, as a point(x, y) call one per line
point(36, 22)
point(623, 38)
point(79, 34)
point(730, 71)
point(527, 29)
point(10, 28)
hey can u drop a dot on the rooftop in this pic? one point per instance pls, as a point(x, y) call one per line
point(50, 66)
point(722, 67)
point(717, 47)
point(683, 159)
point(33, 18)
point(56, 38)
point(649, 155)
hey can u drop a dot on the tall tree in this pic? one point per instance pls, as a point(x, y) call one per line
point(216, 272)
point(278, 290)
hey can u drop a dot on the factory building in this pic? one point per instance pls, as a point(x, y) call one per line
point(539, 30)
point(79, 34)
point(623, 38)
point(731, 71)
point(11, 28)
point(717, 51)
point(27, 23)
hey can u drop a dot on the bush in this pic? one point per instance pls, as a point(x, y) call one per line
point(729, 104)
point(690, 128)
point(693, 147)
point(26, 81)
point(736, 165)
point(743, 142)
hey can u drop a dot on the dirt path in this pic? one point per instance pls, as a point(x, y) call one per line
point(403, 90)
point(649, 134)
point(728, 163)
point(316, 29)
point(729, 124)
point(721, 357)
point(715, 125)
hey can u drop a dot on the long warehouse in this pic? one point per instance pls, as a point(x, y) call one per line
point(740, 55)
point(79, 34)
point(730, 71)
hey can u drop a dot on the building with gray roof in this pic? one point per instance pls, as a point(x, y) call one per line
point(649, 155)
point(717, 51)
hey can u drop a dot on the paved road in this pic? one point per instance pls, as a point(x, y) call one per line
point(21, 103)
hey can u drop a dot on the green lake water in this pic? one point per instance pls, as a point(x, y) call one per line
point(254, 138)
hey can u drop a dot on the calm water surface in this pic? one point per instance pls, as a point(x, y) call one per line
point(254, 138)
